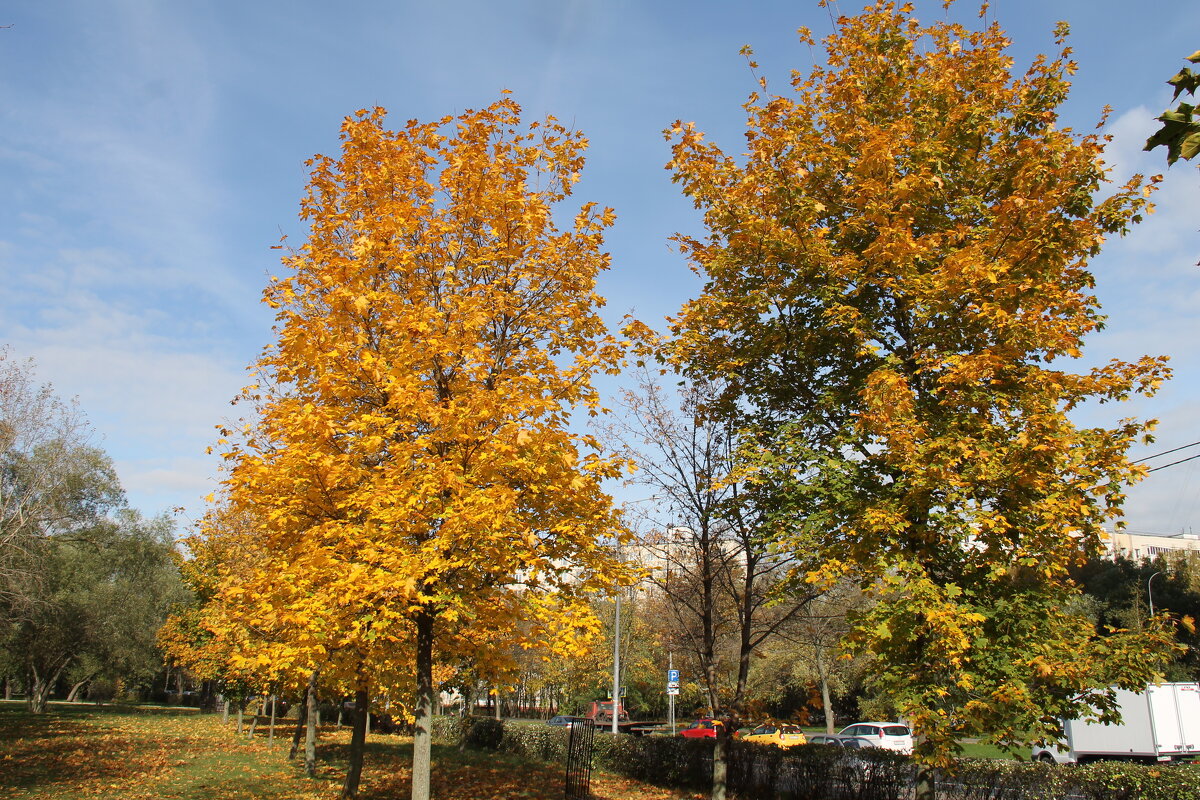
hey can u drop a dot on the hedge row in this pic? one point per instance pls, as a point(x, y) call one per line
point(1102, 780)
point(825, 773)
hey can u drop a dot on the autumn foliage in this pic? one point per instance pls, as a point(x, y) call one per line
point(897, 294)
point(408, 475)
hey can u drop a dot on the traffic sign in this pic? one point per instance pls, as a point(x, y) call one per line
point(672, 684)
point(672, 690)
point(672, 676)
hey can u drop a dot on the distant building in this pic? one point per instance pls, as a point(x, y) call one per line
point(1127, 544)
point(661, 553)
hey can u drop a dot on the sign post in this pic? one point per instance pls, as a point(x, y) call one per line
point(672, 689)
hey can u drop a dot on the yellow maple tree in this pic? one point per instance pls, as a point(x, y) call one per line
point(410, 461)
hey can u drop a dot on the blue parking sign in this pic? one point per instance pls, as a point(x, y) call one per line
point(672, 676)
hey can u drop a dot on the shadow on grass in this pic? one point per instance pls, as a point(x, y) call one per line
point(387, 773)
point(58, 748)
point(126, 754)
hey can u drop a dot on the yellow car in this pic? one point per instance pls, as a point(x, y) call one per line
point(780, 735)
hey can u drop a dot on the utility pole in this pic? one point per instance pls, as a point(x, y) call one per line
point(616, 696)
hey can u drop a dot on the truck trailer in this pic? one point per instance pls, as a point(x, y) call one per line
point(1161, 723)
point(602, 712)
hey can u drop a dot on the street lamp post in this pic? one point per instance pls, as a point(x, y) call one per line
point(1149, 593)
point(616, 698)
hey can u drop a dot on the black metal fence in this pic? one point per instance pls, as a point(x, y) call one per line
point(579, 759)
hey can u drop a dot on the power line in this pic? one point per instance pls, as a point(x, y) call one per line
point(1167, 453)
point(1173, 463)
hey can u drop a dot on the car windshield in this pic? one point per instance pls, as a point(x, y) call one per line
point(791, 729)
point(895, 730)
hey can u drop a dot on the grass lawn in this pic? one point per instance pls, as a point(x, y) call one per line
point(81, 751)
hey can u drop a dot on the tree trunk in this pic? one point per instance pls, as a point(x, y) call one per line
point(271, 733)
point(310, 735)
point(39, 696)
point(358, 741)
point(926, 786)
point(225, 712)
point(720, 746)
point(257, 709)
point(826, 698)
point(40, 687)
point(240, 710)
point(422, 735)
point(73, 695)
point(301, 720)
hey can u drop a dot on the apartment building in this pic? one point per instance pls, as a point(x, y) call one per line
point(1147, 545)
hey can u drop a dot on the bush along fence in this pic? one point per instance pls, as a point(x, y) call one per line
point(764, 772)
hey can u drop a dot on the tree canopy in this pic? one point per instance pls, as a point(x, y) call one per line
point(896, 290)
point(84, 582)
point(410, 470)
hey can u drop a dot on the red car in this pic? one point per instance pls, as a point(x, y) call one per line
point(702, 728)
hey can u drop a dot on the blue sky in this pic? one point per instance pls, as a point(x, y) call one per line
point(152, 153)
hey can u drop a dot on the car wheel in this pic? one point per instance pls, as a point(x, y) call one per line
point(1046, 758)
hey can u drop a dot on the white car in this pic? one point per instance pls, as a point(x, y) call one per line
point(890, 735)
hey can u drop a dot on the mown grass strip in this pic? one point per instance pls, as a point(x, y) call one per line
point(82, 751)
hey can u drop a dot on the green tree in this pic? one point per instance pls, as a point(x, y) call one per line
point(814, 651)
point(52, 482)
point(102, 596)
point(896, 286)
point(58, 498)
point(1121, 590)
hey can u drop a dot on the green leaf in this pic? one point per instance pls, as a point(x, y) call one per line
point(1191, 145)
point(1184, 81)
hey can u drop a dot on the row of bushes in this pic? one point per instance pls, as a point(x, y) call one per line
point(1102, 780)
point(824, 773)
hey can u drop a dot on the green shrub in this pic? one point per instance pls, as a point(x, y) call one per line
point(1104, 780)
point(541, 742)
point(816, 773)
point(485, 733)
point(764, 772)
point(661, 760)
point(448, 730)
point(1149, 781)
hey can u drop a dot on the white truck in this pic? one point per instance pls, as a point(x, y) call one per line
point(1160, 724)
